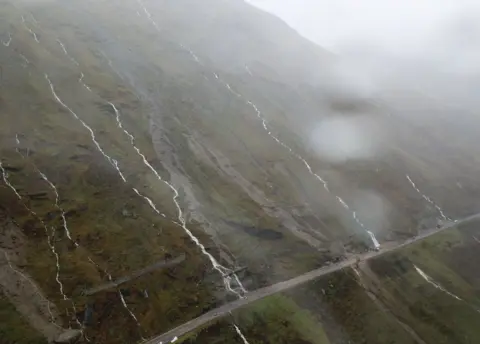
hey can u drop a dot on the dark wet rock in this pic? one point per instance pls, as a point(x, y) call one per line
point(31, 228)
point(84, 146)
point(68, 336)
point(210, 248)
point(88, 315)
point(107, 108)
point(396, 266)
point(71, 212)
point(76, 157)
point(10, 168)
point(125, 292)
point(267, 234)
point(237, 270)
point(357, 245)
point(37, 195)
point(397, 235)
point(51, 215)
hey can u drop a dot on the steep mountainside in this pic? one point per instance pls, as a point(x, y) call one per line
point(134, 132)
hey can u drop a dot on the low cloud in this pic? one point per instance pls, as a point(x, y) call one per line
point(339, 139)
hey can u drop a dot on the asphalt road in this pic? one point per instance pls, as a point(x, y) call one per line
point(294, 282)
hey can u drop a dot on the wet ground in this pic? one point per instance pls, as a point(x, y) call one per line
point(121, 147)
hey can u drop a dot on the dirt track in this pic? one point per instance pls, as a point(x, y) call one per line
point(136, 274)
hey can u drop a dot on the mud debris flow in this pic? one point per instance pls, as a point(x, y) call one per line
point(265, 126)
point(371, 235)
point(228, 275)
point(269, 132)
point(230, 280)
